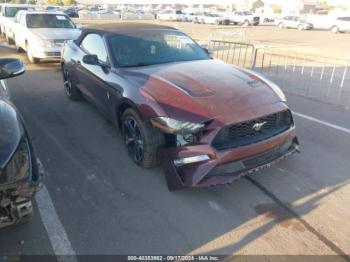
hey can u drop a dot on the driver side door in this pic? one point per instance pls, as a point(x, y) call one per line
point(94, 79)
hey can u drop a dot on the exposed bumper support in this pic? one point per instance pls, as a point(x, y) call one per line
point(224, 166)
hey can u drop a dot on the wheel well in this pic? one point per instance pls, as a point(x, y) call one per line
point(121, 109)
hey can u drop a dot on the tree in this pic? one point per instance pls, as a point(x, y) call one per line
point(54, 2)
point(69, 2)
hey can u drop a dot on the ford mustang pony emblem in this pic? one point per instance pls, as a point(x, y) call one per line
point(258, 126)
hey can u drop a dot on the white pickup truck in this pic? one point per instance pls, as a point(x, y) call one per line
point(42, 33)
point(7, 16)
point(243, 18)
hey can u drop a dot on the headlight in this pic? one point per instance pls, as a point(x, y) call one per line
point(19, 165)
point(170, 125)
point(45, 43)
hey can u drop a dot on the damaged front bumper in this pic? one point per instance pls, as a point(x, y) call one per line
point(223, 167)
point(16, 198)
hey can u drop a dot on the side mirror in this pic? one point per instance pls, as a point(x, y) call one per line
point(11, 67)
point(91, 60)
point(207, 51)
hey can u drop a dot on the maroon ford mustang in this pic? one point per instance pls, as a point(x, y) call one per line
point(205, 121)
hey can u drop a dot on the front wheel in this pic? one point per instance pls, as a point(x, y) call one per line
point(281, 25)
point(30, 56)
point(300, 28)
point(9, 40)
point(246, 23)
point(335, 29)
point(17, 47)
point(141, 139)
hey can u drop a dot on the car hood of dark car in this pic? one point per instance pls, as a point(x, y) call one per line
point(11, 131)
point(205, 89)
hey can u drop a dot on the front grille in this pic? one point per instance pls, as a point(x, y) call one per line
point(53, 54)
point(248, 132)
point(257, 161)
point(59, 41)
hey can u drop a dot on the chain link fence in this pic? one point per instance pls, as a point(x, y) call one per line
point(320, 78)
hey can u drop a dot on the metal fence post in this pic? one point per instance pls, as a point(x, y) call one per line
point(255, 54)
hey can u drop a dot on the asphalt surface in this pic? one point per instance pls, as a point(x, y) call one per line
point(108, 205)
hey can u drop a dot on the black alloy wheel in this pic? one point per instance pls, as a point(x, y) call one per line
point(72, 92)
point(133, 139)
point(141, 139)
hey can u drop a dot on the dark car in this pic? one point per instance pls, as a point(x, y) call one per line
point(19, 176)
point(71, 12)
point(206, 121)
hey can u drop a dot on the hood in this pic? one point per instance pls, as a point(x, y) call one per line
point(56, 33)
point(204, 89)
point(11, 132)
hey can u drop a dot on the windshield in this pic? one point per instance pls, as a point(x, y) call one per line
point(12, 11)
point(49, 21)
point(155, 47)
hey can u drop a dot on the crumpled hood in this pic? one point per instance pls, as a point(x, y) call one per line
point(56, 33)
point(203, 89)
point(11, 131)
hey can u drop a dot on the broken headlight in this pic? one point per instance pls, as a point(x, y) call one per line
point(19, 165)
point(172, 126)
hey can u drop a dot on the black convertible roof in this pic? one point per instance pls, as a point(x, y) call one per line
point(126, 26)
point(120, 28)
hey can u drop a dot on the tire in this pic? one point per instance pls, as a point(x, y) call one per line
point(72, 92)
point(281, 25)
point(141, 139)
point(31, 58)
point(335, 29)
point(245, 23)
point(300, 27)
point(18, 48)
point(9, 40)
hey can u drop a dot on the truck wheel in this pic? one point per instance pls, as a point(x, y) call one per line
point(281, 25)
point(335, 29)
point(17, 47)
point(300, 27)
point(246, 23)
point(141, 139)
point(9, 40)
point(72, 91)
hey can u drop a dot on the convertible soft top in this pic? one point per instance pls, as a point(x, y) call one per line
point(120, 28)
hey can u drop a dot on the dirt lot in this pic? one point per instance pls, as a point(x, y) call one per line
point(315, 42)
